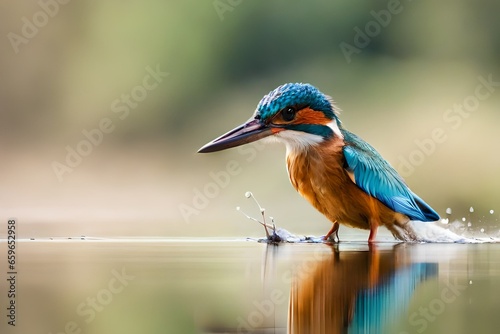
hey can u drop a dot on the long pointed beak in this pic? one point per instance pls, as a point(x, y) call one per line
point(251, 131)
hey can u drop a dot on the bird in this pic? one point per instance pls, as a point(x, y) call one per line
point(336, 171)
point(381, 285)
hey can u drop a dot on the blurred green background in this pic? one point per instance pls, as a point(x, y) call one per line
point(67, 67)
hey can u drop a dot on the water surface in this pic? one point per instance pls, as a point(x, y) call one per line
point(237, 286)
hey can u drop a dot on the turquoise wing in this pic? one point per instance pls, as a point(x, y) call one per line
point(378, 178)
point(376, 308)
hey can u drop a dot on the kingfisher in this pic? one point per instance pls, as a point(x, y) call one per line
point(336, 171)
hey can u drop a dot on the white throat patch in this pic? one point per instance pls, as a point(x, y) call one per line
point(335, 128)
point(297, 141)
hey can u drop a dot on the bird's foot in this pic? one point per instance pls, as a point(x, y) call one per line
point(334, 232)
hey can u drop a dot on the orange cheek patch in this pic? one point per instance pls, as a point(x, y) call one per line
point(276, 130)
point(310, 116)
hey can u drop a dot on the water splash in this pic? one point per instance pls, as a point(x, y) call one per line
point(444, 231)
point(473, 228)
point(277, 234)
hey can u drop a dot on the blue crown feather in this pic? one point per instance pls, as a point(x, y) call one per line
point(291, 94)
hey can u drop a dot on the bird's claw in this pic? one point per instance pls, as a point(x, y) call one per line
point(331, 238)
point(334, 232)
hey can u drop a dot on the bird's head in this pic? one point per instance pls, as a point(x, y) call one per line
point(295, 113)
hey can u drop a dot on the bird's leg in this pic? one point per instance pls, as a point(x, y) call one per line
point(334, 229)
point(373, 231)
point(374, 222)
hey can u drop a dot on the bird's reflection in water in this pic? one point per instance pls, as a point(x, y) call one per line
point(355, 291)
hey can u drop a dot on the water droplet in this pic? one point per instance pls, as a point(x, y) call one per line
point(445, 221)
point(470, 282)
point(448, 211)
point(463, 219)
point(482, 230)
point(248, 194)
point(238, 208)
point(469, 224)
point(471, 209)
point(492, 211)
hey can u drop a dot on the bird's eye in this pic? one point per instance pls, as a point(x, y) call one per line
point(288, 114)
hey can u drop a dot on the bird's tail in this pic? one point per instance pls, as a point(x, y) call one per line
point(428, 213)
